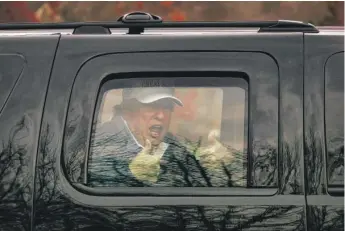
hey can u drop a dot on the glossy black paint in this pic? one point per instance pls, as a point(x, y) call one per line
point(30, 61)
point(282, 211)
point(13, 65)
point(325, 211)
point(34, 128)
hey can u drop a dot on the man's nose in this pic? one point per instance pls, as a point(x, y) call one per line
point(160, 114)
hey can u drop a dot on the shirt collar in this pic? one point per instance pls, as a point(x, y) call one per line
point(132, 141)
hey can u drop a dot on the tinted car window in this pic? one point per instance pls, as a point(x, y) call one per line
point(334, 100)
point(149, 134)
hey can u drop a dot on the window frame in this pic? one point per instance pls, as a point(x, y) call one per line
point(333, 189)
point(247, 63)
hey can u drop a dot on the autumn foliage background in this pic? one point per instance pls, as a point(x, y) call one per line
point(322, 13)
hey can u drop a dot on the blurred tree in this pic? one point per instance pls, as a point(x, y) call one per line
point(16, 12)
point(336, 16)
point(317, 12)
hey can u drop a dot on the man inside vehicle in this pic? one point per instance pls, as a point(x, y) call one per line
point(136, 149)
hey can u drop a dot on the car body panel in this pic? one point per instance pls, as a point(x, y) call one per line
point(325, 212)
point(175, 213)
point(50, 77)
point(20, 122)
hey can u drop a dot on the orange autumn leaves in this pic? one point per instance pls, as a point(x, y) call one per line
point(175, 14)
point(319, 13)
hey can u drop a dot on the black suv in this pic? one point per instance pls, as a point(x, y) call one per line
point(142, 124)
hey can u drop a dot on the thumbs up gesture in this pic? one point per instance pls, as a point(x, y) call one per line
point(215, 153)
point(146, 166)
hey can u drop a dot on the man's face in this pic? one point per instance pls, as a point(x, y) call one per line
point(151, 121)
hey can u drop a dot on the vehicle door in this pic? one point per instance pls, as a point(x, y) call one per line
point(239, 124)
point(324, 129)
point(25, 67)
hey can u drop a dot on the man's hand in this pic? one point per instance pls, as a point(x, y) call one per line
point(146, 166)
point(215, 154)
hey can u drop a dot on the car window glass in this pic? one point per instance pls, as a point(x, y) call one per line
point(169, 136)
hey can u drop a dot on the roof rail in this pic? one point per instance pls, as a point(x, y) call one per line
point(136, 23)
point(290, 26)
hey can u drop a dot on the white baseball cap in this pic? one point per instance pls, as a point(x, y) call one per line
point(150, 94)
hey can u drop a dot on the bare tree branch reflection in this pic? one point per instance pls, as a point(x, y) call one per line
point(323, 217)
point(313, 158)
point(55, 211)
point(15, 192)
